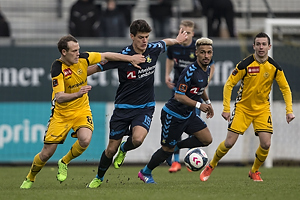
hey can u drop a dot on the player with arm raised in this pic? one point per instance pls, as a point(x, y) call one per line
point(134, 101)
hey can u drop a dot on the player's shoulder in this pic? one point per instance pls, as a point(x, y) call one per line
point(56, 68)
point(245, 62)
point(84, 55)
point(190, 68)
point(158, 44)
point(274, 63)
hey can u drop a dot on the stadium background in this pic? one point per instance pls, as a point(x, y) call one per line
point(25, 83)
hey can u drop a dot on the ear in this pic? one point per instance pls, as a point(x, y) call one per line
point(131, 36)
point(269, 46)
point(64, 52)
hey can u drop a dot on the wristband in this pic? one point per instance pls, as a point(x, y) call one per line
point(100, 66)
point(198, 104)
point(208, 101)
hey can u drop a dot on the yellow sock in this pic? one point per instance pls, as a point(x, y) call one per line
point(36, 167)
point(260, 157)
point(75, 151)
point(220, 152)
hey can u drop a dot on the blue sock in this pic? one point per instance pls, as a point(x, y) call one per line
point(146, 170)
point(176, 157)
point(122, 146)
point(102, 178)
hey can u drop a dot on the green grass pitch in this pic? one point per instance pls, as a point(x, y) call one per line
point(225, 183)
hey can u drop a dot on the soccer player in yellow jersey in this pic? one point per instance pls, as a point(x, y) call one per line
point(70, 104)
point(252, 105)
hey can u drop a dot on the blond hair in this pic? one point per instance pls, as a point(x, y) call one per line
point(187, 23)
point(203, 41)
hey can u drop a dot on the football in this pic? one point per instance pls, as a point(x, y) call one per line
point(195, 159)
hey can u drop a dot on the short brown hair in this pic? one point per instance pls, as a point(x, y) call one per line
point(139, 25)
point(262, 35)
point(63, 42)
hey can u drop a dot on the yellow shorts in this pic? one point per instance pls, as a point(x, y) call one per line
point(241, 120)
point(59, 125)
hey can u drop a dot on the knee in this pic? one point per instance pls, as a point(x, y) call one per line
point(110, 152)
point(265, 145)
point(228, 144)
point(137, 141)
point(84, 143)
point(45, 156)
point(207, 142)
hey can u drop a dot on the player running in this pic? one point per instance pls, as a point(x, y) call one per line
point(134, 102)
point(179, 115)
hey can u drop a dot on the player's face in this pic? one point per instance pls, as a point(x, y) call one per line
point(204, 54)
point(140, 42)
point(190, 34)
point(261, 47)
point(71, 57)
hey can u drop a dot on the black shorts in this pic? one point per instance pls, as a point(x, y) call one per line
point(123, 120)
point(172, 127)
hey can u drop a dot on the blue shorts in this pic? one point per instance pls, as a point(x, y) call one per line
point(123, 120)
point(172, 127)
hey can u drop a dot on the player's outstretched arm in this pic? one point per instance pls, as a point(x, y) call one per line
point(93, 69)
point(134, 59)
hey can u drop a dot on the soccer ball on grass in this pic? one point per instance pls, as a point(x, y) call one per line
point(195, 159)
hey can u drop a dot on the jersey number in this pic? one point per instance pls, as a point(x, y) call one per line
point(89, 119)
point(270, 120)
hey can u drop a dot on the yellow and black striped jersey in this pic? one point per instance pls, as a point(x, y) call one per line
point(256, 81)
point(69, 79)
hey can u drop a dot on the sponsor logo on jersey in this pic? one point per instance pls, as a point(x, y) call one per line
point(182, 88)
point(254, 69)
point(146, 72)
point(184, 63)
point(234, 72)
point(194, 90)
point(77, 84)
point(131, 75)
point(67, 72)
point(54, 82)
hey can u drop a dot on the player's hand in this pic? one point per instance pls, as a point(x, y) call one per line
point(204, 107)
point(290, 117)
point(226, 115)
point(83, 90)
point(210, 111)
point(169, 82)
point(182, 36)
point(137, 59)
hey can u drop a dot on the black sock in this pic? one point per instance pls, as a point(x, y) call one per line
point(158, 157)
point(190, 142)
point(128, 145)
point(104, 164)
